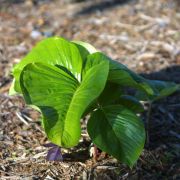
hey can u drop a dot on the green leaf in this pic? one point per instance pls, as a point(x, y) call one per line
point(54, 51)
point(12, 89)
point(61, 98)
point(82, 50)
point(117, 131)
point(121, 75)
point(110, 94)
point(162, 89)
point(91, 49)
point(131, 103)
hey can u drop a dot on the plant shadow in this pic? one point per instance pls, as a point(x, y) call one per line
point(165, 115)
point(80, 153)
point(168, 74)
point(164, 120)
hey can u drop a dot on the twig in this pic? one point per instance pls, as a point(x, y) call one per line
point(106, 167)
point(21, 118)
point(41, 154)
point(28, 118)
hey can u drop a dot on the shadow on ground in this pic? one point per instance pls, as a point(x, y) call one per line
point(168, 74)
point(8, 2)
point(164, 122)
point(102, 6)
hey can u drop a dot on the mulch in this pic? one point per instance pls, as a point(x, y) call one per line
point(144, 35)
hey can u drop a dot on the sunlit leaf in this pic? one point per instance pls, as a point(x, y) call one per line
point(61, 98)
point(87, 46)
point(117, 131)
point(120, 74)
point(53, 51)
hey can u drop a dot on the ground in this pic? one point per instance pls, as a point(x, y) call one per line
point(142, 34)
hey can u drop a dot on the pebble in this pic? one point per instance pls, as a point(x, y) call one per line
point(35, 34)
point(21, 48)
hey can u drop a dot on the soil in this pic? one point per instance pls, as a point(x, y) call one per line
point(142, 34)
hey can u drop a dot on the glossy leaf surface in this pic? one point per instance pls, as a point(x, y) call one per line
point(131, 103)
point(53, 51)
point(117, 131)
point(87, 46)
point(120, 74)
point(61, 98)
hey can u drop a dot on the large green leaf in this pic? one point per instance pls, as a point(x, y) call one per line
point(91, 49)
point(113, 94)
point(131, 103)
point(54, 51)
point(120, 74)
point(117, 131)
point(162, 89)
point(62, 98)
point(110, 94)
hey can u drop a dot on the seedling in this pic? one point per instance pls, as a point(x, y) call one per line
point(66, 81)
